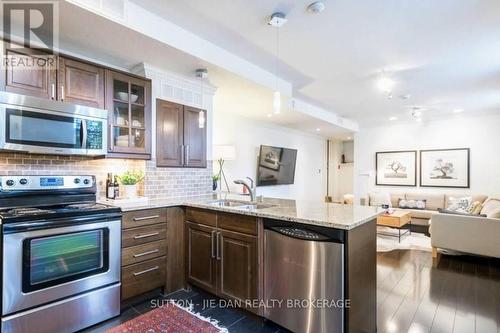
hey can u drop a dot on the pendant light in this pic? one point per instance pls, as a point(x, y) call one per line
point(277, 20)
point(202, 73)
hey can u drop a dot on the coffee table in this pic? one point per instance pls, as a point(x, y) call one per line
point(397, 220)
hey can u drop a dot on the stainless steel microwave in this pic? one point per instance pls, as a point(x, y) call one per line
point(37, 125)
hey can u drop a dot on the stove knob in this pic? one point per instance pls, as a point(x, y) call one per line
point(86, 181)
point(77, 180)
point(9, 182)
point(23, 181)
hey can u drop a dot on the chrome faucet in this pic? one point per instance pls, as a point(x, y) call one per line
point(251, 188)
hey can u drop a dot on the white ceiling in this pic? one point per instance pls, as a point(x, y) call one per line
point(445, 53)
point(112, 44)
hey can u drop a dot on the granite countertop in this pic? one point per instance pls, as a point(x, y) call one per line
point(324, 214)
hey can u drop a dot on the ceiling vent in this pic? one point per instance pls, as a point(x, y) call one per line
point(277, 20)
point(316, 7)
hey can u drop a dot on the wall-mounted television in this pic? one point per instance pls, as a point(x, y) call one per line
point(276, 166)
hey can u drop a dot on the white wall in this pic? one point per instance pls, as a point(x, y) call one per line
point(480, 134)
point(247, 136)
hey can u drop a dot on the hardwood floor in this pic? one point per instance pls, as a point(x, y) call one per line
point(460, 295)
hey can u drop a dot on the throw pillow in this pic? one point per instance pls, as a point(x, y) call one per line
point(490, 205)
point(378, 199)
point(411, 204)
point(494, 214)
point(475, 208)
point(460, 205)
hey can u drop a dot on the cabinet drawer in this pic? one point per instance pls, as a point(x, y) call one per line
point(135, 254)
point(201, 216)
point(140, 278)
point(141, 235)
point(144, 217)
point(239, 223)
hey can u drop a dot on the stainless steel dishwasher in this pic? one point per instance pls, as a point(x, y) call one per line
point(304, 278)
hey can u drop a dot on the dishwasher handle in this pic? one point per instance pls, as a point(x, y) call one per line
point(301, 233)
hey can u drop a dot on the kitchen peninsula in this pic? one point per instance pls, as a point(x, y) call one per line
point(242, 251)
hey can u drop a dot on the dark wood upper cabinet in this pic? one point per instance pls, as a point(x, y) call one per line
point(128, 100)
point(201, 256)
point(237, 266)
point(80, 83)
point(181, 140)
point(22, 77)
point(169, 134)
point(195, 138)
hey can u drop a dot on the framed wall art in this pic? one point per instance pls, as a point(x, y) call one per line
point(396, 168)
point(445, 168)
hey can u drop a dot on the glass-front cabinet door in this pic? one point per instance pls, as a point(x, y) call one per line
point(129, 105)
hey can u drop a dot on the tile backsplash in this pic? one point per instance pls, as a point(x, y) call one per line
point(159, 182)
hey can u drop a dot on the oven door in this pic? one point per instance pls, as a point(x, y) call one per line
point(46, 265)
point(51, 132)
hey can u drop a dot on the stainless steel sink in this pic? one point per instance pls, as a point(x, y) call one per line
point(239, 204)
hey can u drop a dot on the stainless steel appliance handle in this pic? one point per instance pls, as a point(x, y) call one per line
point(187, 155)
point(53, 89)
point(146, 271)
point(84, 137)
point(213, 243)
point(62, 93)
point(145, 253)
point(146, 235)
point(182, 154)
point(145, 218)
point(218, 246)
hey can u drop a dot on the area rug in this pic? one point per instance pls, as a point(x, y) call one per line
point(169, 318)
point(415, 241)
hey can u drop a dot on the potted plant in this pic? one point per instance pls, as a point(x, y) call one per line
point(215, 179)
point(129, 180)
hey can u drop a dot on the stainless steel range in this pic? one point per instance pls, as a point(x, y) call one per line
point(61, 254)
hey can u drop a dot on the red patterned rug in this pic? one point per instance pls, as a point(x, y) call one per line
point(169, 318)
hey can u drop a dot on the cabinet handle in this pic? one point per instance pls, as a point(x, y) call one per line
point(145, 218)
point(187, 155)
point(146, 271)
point(145, 253)
point(218, 246)
point(146, 235)
point(182, 154)
point(213, 243)
point(53, 88)
point(62, 93)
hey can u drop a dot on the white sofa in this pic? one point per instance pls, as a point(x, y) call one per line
point(469, 234)
point(419, 216)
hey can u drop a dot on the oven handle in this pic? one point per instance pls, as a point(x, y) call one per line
point(10, 228)
point(146, 271)
point(83, 130)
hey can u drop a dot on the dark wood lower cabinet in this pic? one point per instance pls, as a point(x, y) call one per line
point(140, 278)
point(237, 276)
point(201, 256)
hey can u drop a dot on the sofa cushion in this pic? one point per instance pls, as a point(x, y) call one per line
point(395, 198)
point(475, 197)
point(433, 201)
point(490, 206)
point(447, 211)
point(379, 198)
point(495, 214)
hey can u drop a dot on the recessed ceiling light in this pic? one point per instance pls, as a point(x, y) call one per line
point(318, 129)
point(393, 118)
point(385, 84)
point(458, 110)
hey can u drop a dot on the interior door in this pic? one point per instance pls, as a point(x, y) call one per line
point(237, 267)
point(195, 138)
point(201, 256)
point(169, 135)
point(30, 73)
point(81, 83)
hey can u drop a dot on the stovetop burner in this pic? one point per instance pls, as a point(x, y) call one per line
point(28, 211)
